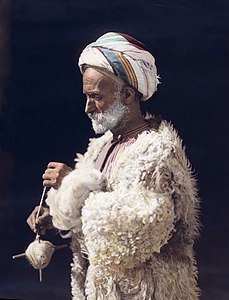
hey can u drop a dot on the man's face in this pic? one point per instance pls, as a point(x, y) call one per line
point(104, 104)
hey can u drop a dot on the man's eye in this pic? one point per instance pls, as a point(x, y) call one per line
point(96, 97)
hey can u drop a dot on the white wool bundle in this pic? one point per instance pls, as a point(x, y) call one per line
point(39, 253)
point(65, 203)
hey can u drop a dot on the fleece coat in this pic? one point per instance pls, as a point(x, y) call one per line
point(132, 231)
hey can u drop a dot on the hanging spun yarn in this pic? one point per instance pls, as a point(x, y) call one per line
point(39, 253)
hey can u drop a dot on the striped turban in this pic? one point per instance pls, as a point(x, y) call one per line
point(125, 58)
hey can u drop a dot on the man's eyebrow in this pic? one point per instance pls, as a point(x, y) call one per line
point(95, 93)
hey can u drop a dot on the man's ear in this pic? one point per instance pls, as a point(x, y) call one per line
point(129, 95)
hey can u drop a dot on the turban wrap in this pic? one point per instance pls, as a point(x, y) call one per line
point(126, 58)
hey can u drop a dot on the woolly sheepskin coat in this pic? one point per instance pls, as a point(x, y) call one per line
point(133, 231)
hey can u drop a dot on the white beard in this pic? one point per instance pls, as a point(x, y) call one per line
point(113, 117)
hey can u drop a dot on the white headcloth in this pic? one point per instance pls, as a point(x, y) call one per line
point(124, 57)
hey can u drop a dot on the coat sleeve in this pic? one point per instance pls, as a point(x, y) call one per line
point(66, 203)
point(126, 227)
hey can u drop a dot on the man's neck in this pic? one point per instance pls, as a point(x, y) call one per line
point(129, 125)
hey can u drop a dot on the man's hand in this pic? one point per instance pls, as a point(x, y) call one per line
point(43, 222)
point(54, 174)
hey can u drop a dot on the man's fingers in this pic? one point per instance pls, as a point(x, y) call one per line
point(31, 220)
point(50, 182)
point(54, 174)
point(50, 178)
point(43, 217)
point(50, 173)
point(52, 165)
point(59, 167)
point(45, 220)
point(55, 165)
point(42, 222)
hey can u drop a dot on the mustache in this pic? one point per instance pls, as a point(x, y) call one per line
point(93, 116)
point(97, 116)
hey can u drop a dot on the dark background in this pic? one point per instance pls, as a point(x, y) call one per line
point(44, 116)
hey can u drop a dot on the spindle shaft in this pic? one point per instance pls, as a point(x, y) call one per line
point(19, 255)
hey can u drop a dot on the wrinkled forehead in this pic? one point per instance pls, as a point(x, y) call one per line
point(92, 79)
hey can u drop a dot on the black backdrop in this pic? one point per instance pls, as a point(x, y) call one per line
point(46, 120)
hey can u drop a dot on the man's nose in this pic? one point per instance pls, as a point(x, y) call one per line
point(90, 106)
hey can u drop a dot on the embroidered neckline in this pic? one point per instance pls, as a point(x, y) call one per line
point(133, 132)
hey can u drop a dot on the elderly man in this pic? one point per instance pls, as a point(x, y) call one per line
point(130, 204)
